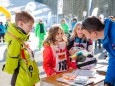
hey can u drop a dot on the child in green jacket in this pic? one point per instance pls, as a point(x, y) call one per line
point(19, 58)
point(40, 32)
point(64, 26)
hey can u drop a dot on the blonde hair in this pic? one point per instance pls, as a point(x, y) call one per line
point(23, 16)
point(63, 19)
point(52, 34)
point(74, 34)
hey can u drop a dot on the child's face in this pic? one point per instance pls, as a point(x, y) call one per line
point(62, 22)
point(59, 35)
point(79, 32)
point(27, 27)
point(40, 22)
point(74, 21)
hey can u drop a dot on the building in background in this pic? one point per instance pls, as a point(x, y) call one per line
point(76, 7)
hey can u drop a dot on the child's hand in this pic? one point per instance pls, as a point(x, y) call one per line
point(73, 59)
point(53, 74)
point(72, 51)
point(70, 68)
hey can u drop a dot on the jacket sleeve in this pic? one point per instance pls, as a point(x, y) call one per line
point(12, 58)
point(110, 74)
point(37, 30)
point(47, 61)
point(70, 44)
point(66, 29)
point(89, 47)
point(68, 61)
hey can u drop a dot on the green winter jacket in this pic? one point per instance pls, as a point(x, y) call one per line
point(14, 59)
point(65, 28)
point(37, 30)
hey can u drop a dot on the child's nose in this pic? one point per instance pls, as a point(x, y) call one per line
point(60, 35)
point(80, 30)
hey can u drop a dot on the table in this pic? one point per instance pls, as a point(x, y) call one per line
point(51, 80)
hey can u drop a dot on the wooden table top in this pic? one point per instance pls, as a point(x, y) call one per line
point(52, 79)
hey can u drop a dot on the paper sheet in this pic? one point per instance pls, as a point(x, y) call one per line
point(80, 72)
point(102, 69)
point(72, 82)
point(98, 66)
point(102, 61)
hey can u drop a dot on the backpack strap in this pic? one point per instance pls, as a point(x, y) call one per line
point(22, 50)
point(23, 56)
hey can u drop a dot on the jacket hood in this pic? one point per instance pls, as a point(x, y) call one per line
point(107, 25)
point(16, 32)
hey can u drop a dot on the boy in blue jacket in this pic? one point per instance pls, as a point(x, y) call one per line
point(94, 29)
